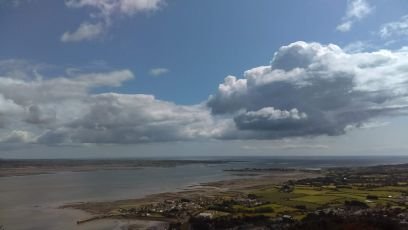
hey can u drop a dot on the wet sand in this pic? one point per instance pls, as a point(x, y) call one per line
point(35, 167)
point(231, 187)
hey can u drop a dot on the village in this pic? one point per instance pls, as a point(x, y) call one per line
point(360, 195)
point(203, 206)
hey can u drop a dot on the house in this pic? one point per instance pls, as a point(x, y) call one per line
point(206, 215)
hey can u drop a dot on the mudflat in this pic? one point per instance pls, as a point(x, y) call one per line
point(34, 167)
point(273, 197)
point(205, 192)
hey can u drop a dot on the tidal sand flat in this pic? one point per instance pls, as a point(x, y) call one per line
point(352, 197)
point(34, 201)
point(46, 166)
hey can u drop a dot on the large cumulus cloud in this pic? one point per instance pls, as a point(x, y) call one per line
point(333, 89)
point(309, 89)
point(64, 110)
point(119, 118)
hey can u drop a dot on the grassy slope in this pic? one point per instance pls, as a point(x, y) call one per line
point(319, 197)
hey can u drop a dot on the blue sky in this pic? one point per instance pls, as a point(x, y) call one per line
point(198, 41)
point(193, 45)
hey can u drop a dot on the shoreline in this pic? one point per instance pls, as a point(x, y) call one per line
point(226, 188)
point(310, 191)
point(270, 191)
point(10, 168)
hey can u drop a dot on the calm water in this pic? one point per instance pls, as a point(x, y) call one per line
point(30, 202)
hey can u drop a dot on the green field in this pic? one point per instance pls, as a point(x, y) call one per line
point(309, 198)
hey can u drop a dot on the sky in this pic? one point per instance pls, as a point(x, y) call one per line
point(130, 78)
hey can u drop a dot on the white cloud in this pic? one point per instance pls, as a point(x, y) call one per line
point(158, 71)
point(345, 26)
point(18, 136)
point(14, 3)
point(109, 7)
point(358, 46)
point(368, 125)
point(9, 110)
point(86, 31)
point(334, 89)
point(356, 10)
point(264, 147)
point(270, 118)
point(105, 12)
point(21, 69)
point(309, 89)
point(396, 28)
point(119, 118)
point(271, 113)
point(63, 110)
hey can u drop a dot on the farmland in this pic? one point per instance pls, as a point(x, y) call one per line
point(282, 199)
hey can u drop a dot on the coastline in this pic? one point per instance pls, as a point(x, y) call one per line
point(10, 168)
point(116, 209)
point(231, 188)
point(275, 196)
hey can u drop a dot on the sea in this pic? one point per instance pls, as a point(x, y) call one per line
point(32, 202)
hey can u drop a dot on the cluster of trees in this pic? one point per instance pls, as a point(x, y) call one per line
point(312, 221)
point(369, 177)
point(224, 206)
point(335, 222)
point(255, 210)
point(372, 197)
point(288, 188)
point(227, 206)
point(226, 222)
point(355, 204)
